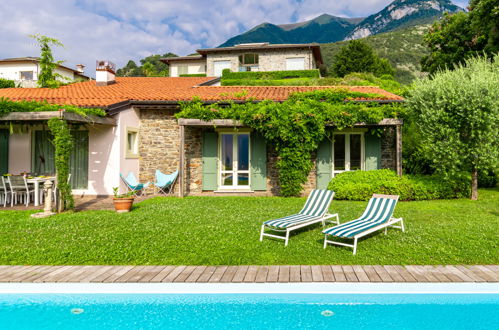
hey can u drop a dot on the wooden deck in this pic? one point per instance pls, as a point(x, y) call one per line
point(248, 274)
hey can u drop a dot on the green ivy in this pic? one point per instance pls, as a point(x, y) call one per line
point(296, 126)
point(8, 106)
point(63, 144)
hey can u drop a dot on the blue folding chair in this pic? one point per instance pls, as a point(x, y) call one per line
point(164, 182)
point(133, 184)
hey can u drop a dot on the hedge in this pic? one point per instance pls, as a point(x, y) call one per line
point(256, 82)
point(6, 83)
point(270, 75)
point(193, 75)
point(361, 185)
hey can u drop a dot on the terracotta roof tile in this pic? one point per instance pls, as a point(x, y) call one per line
point(88, 94)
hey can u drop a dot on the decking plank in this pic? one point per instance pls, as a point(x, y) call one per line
point(450, 275)
point(294, 273)
point(240, 274)
point(128, 277)
point(207, 273)
point(484, 273)
point(10, 273)
point(261, 274)
point(494, 276)
point(394, 273)
point(96, 273)
point(106, 274)
point(52, 272)
point(349, 273)
point(184, 274)
point(327, 273)
point(23, 272)
point(470, 273)
point(151, 273)
point(173, 274)
point(162, 274)
point(372, 274)
point(62, 274)
point(438, 274)
point(383, 274)
point(306, 273)
point(417, 274)
point(460, 274)
point(283, 274)
point(339, 274)
point(217, 275)
point(250, 274)
point(317, 273)
point(195, 274)
point(273, 274)
point(360, 273)
point(229, 274)
point(30, 273)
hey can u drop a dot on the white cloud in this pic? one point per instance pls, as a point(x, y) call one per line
point(120, 30)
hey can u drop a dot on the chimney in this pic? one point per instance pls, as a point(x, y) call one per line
point(80, 68)
point(105, 73)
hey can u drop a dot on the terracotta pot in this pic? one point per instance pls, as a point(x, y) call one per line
point(123, 204)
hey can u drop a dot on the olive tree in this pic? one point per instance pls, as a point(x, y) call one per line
point(457, 113)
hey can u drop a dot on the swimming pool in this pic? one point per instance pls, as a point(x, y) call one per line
point(339, 308)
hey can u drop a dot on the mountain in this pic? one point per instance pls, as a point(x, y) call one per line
point(327, 28)
point(402, 13)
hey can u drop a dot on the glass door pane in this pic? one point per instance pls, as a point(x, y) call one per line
point(227, 155)
point(355, 151)
point(339, 152)
point(243, 152)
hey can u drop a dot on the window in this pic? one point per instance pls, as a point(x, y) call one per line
point(248, 62)
point(132, 143)
point(183, 69)
point(26, 75)
point(234, 161)
point(348, 152)
point(295, 63)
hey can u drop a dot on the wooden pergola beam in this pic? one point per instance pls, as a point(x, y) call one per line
point(236, 123)
point(181, 175)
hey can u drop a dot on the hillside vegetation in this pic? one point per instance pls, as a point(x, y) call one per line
point(403, 48)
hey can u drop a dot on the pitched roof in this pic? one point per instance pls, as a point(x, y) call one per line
point(88, 94)
point(33, 59)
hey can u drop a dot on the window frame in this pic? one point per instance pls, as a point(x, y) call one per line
point(243, 66)
point(129, 153)
point(32, 75)
point(234, 171)
point(347, 151)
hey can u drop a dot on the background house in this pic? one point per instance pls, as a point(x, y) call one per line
point(141, 134)
point(25, 70)
point(247, 57)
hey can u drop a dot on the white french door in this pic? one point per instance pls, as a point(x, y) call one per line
point(348, 152)
point(234, 160)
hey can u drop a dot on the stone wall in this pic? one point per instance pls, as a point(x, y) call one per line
point(388, 148)
point(269, 60)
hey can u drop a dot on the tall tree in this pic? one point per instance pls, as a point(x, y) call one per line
point(358, 56)
point(47, 76)
point(459, 36)
point(151, 66)
point(457, 114)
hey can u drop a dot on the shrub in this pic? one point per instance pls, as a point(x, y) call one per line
point(193, 75)
point(6, 83)
point(270, 75)
point(360, 185)
point(487, 179)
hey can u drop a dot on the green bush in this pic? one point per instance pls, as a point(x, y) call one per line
point(487, 179)
point(361, 185)
point(270, 75)
point(193, 75)
point(265, 82)
point(6, 83)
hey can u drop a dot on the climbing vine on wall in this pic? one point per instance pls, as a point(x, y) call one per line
point(296, 126)
point(63, 143)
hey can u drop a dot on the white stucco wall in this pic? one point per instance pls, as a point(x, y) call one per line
point(127, 119)
point(269, 59)
point(11, 71)
point(193, 67)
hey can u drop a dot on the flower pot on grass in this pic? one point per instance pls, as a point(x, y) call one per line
point(124, 202)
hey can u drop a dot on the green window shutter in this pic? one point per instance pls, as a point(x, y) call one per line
point(79, 160)
point(43, 153)
point(258, 162)
point(373, 152)
point(324, 163)
point(210, 160)
point(4, 151)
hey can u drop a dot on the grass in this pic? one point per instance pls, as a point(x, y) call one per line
point(225, 231)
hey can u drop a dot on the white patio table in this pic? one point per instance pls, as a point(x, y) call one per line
point(36, 182)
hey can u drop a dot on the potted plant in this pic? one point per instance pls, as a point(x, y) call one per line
point(123, 202)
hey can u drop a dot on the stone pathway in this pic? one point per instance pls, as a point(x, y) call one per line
point(250, 274)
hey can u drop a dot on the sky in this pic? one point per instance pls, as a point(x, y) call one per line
point(120, 30)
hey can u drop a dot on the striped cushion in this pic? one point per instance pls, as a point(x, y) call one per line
point(291, 220)
point(378, 211)
point(318, 202)
point(315, 207)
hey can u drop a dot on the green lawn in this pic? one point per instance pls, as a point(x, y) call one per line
point(225, 231)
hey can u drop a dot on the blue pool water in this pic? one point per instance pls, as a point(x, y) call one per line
point(249, 311)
